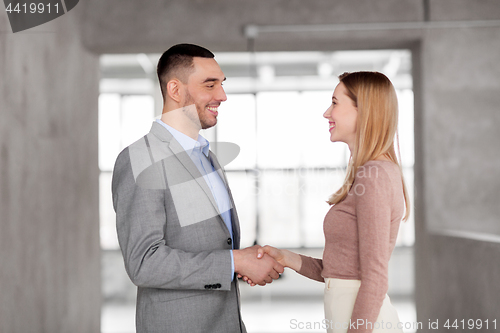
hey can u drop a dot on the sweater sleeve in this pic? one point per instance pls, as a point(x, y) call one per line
point(311, 268)
point(373, 197)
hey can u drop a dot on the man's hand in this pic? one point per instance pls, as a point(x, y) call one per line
point(259, 271)
point(276, 254)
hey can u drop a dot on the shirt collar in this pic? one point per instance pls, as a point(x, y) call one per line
point(187, 142)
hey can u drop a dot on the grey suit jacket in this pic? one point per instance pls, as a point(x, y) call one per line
point(174, 242)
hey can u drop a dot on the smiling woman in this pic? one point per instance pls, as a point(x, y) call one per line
point(342, 116)
point(362, 224)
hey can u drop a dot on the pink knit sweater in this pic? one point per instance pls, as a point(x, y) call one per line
point(360, 235)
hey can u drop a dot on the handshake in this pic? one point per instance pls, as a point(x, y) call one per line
point(261, 265)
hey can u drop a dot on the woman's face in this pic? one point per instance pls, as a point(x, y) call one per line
point(342, 116)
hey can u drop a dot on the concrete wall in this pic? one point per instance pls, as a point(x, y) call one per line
point(49, 235)
point(114, 26)
point(458, 243)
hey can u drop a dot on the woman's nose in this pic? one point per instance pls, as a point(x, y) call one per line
point(327, 113)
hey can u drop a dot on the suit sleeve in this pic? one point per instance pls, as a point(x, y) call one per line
point(141, 227)
point(373, 210)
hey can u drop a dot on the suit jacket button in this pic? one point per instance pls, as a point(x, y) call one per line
point(229, 241)
point(218, 285)
point(208, 286)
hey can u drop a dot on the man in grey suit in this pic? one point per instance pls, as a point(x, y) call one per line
point(177, 225)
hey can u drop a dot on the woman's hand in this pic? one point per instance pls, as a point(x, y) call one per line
point(284, 257)
point(277, 254)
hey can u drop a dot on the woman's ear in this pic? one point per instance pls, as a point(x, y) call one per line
point(174, 90)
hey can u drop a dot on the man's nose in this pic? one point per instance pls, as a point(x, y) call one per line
point(221, 95)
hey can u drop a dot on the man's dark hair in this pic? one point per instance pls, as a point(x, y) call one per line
point(177, 62)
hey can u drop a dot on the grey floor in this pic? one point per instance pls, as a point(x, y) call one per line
point(290, 304)
point(287, 305)
point(260, 316)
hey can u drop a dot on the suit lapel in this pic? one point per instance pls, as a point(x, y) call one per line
point(234, 217)
point(164, 135)
point(217, 167)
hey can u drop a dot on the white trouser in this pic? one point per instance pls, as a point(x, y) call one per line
point(340, 296)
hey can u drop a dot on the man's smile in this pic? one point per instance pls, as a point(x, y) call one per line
point(213, 109)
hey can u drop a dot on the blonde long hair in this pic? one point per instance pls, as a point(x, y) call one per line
point(375, 99)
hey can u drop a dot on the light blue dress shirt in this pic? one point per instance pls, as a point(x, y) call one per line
point(198, 152)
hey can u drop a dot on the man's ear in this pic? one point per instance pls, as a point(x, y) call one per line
point(175, 90)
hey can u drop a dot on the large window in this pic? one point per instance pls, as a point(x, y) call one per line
point(287, 167)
